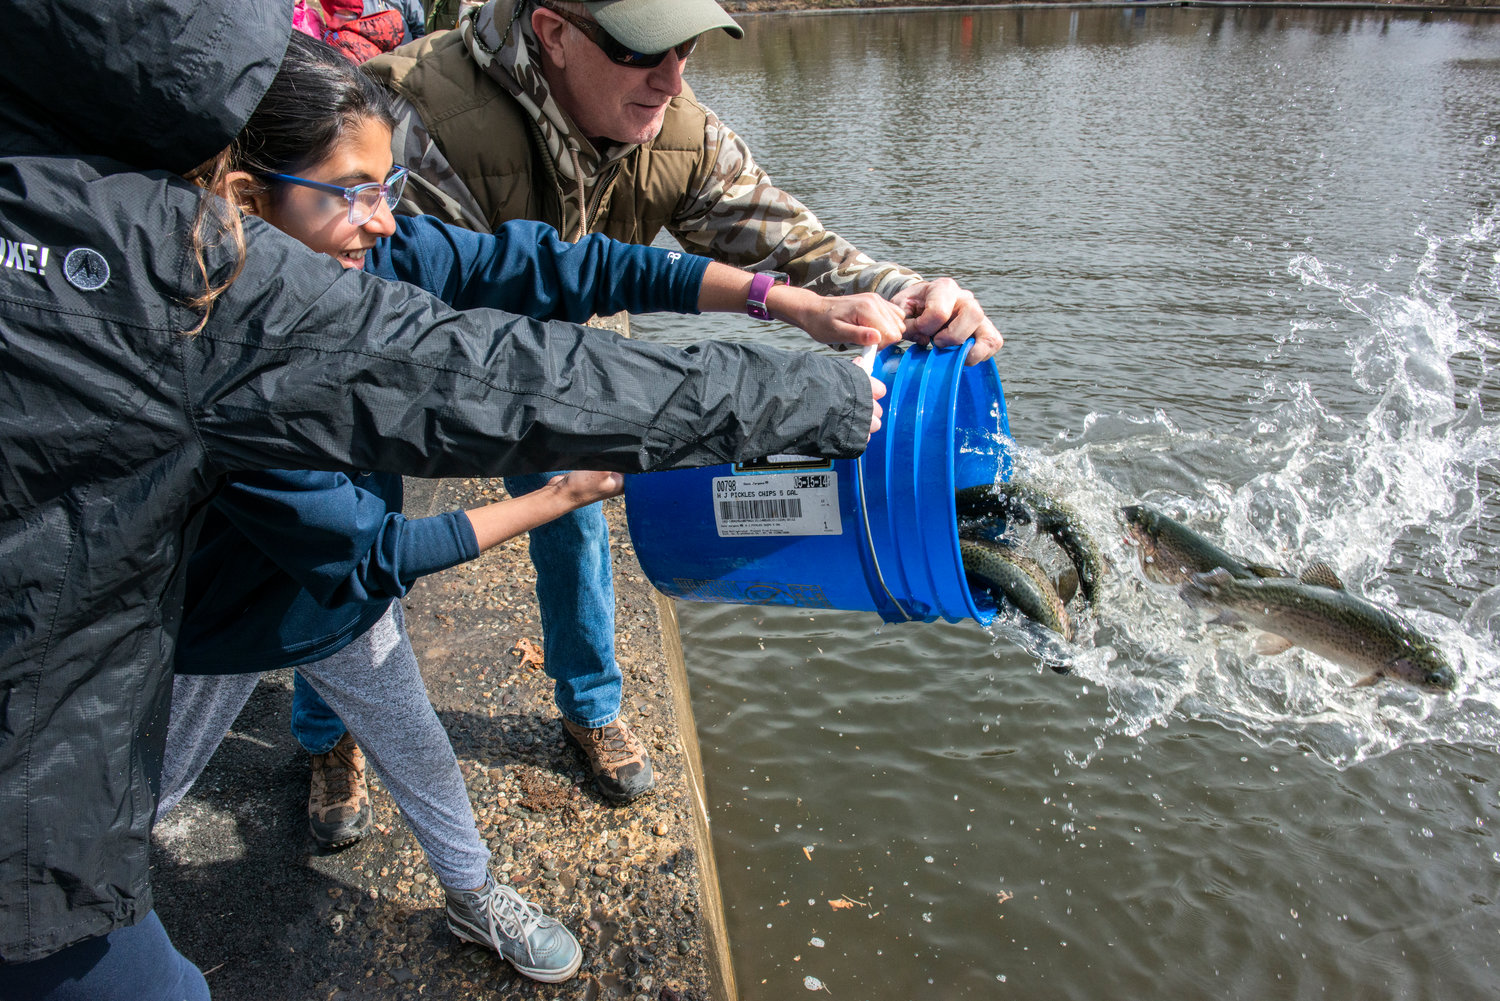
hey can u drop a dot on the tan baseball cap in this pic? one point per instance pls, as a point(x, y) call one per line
point(657, 25)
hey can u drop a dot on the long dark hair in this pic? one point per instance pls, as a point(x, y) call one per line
point(316, 99)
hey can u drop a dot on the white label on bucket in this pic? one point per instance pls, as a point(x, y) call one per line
point(779, 504)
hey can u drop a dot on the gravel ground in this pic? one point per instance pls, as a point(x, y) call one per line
point(247, 895)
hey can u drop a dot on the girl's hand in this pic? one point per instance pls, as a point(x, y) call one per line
point(582, 487)
point(861, 320)
point(506, 519)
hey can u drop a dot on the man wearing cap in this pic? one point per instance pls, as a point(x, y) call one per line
point(576, 114)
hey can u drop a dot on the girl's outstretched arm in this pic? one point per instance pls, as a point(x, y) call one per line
point(862, 320)
point(523, 267)
point(494, 523)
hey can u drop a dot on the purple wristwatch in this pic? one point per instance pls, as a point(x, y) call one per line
point(760, 285)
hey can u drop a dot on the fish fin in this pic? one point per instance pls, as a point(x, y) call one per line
point(1198, 589)
point(1321, 575)
point(1205, 582)
point(1081, 552)
point(1067, 584)
point(1366, 681)
point(1261, 570)
point(1270, 644)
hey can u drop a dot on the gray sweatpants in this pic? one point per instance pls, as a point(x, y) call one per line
point(376, 688)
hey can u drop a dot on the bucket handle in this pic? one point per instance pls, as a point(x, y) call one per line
point(867, 362)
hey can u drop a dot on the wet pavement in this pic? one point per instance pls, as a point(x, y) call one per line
point(247, 895)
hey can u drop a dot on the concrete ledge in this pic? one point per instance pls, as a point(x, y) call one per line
point(716, 933)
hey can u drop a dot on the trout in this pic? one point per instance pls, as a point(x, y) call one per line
point(1171, 552)
point(1316, 613)
point(1012, 578)
point(1024, 504)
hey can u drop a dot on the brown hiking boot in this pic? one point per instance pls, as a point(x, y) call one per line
point(619, 763)
point(338, 808)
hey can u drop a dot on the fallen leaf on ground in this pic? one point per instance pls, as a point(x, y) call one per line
point(528, 651)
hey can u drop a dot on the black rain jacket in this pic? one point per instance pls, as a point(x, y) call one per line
point(115, 427)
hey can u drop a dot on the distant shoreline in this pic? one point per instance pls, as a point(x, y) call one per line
point(775, 6)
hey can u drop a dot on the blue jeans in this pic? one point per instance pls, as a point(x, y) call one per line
point(575, 589)
point(316, 726)
point(136, 963)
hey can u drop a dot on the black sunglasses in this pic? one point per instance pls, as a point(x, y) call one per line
point(616, 52)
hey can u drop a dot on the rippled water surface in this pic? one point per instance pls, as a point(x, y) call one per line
point(1248, 266)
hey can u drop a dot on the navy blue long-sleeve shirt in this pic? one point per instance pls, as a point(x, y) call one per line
point(293, 565)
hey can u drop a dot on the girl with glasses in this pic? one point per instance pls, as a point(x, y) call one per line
point(143, 366)
point(299, 568)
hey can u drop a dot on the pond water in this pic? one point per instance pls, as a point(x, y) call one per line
point(1248, 267)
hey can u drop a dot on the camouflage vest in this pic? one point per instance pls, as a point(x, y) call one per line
point(491, 144)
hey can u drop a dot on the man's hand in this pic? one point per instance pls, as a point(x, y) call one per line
point(942, 313)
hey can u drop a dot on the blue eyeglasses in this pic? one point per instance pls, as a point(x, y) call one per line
point(364, 199)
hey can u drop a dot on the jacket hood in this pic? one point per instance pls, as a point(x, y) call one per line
point(153, 83)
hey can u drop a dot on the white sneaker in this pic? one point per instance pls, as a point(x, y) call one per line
point(497, 916)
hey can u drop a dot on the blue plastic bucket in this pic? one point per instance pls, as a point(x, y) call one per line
point(878, 533)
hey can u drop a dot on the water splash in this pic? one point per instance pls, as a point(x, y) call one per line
point(1392, 480)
